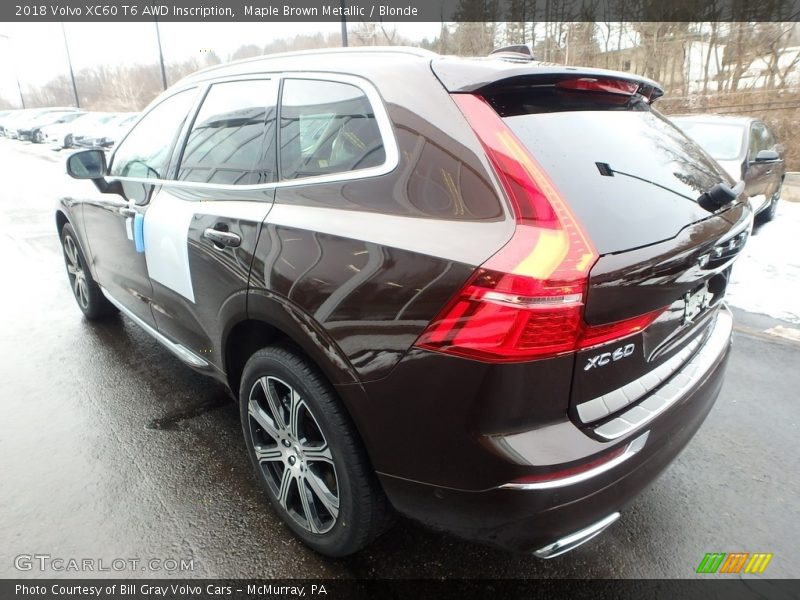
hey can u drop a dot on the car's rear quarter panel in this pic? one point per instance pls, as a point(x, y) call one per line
point(373, 260)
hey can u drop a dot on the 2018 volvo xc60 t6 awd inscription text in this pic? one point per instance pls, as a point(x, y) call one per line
point(483, 293)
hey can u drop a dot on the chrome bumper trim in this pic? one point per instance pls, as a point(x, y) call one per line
point(677, 387)
point(573, 540)
point(602, 406)
point(182, 352)
point(630, 450)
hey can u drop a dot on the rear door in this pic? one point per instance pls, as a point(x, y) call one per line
point(636, 183)
point(202, 228)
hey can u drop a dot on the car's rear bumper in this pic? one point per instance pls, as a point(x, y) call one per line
point(532, 518)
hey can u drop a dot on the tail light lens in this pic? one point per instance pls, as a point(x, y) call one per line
point(603, 85)
point(526, 301)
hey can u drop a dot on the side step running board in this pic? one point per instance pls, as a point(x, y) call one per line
point(182, 352)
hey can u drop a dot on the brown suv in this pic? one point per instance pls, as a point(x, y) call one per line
point(487, 294)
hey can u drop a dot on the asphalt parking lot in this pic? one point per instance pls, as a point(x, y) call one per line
point(110, 447)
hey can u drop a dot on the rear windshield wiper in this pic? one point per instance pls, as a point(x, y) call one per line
point(711, 200)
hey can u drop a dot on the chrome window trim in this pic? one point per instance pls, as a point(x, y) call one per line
point(381, 116)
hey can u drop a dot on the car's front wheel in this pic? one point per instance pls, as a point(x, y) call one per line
point(87, 293)
point(307, 455)
point(38, 137)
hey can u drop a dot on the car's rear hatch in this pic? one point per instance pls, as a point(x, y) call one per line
point(636, 186)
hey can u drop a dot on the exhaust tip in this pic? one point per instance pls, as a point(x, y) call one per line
point(573, 540)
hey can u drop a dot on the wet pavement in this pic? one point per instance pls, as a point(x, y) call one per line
point(111, 448)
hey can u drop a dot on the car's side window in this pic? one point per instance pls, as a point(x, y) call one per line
point(758, 139)
point(327, 127)
point(146, 150)
point(232, 140)
point(769, 139)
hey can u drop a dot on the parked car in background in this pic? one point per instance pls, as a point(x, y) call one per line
point(23, 120)
point(4, 117)
point(60, 135)
point(16, 118)
point(33, 130)
point(747, 149)
point(91, 128)
point(105, 135)
point(487, 293)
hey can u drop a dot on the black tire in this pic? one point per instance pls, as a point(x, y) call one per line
point(769, 213)
point(91, 301)
point(363, 512)
point(38, 137)
point(68, 140)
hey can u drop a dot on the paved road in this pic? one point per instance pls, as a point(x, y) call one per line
point(111, 448)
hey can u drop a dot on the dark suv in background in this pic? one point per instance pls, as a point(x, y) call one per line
point(747, 149)
point(485, 293)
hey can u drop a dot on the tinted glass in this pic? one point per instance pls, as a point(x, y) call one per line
point(146, 151)
point(232, 138)
point(649, 177)
point(760, 139)
point(327, 127)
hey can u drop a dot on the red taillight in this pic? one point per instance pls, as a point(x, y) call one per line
point(604, 85)
point(594, 335)
point(526, 301)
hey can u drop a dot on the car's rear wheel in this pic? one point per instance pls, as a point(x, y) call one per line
point(307, 455)
point(68, 141)
point(87, 293)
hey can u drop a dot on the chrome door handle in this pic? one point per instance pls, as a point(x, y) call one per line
point(222, 238)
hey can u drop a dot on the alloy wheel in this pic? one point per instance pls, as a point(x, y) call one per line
point(293, 454)
point(76, 272)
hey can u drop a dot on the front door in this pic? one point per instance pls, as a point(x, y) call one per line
point(114, 221)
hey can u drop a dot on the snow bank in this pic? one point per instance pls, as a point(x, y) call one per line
point(766, 277)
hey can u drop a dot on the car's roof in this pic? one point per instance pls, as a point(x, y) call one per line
point(714, 118)
point(326, 59)
point(458, 74)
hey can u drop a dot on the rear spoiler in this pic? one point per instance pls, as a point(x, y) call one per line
point(460, 75)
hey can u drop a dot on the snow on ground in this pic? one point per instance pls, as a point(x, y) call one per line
point(766, 277)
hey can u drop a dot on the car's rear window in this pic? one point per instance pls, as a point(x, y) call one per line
point(631, 177)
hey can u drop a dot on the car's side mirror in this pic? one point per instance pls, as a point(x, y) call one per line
point(91, 164)
point(767, 156)
point(87, 164)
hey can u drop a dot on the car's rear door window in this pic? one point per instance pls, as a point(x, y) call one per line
point(232, 138)
point(327, 127)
